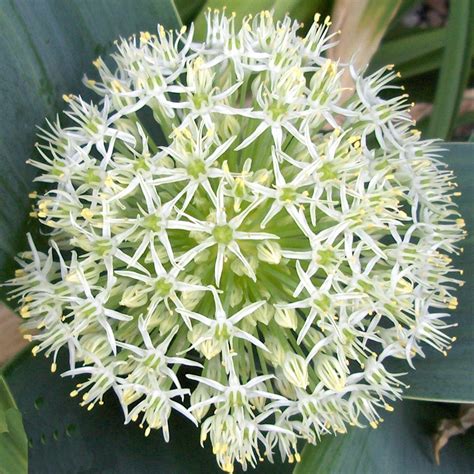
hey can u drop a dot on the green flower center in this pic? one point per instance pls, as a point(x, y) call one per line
point(223, 234)
point(196, 168)
point(288, 194)
point(163, 287)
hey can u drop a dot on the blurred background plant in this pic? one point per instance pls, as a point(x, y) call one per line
point(431, 44)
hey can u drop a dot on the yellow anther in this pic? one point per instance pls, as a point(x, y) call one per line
point(53, 367)
point(74, 393)
point(33, 195)
point(144, 36)
point(97, 62)
point(87, 214)
point(25, 311)
point(35, 350)
point(388, 407)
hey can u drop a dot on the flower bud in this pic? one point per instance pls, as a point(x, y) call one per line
point(286, 318)
point(276, 351)
point(285, 387)
point(331, 372)
point(269, 251)
point(295, 369)
point(95, 343)
point(264, 314)
point(200, 394)
point(135, 296)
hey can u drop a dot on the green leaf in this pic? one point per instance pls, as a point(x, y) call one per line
point(46, 47)
point(409, 48)
point(454, 69)
point(413, 54)
point(13, 442)
point(188, 10)
point(64, 437)
point(450, 378)
point(401, 444)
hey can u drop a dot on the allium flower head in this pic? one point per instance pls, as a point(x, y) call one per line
point(257, 271)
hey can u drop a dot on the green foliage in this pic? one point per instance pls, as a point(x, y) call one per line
point(401, 444)
point(454, 68)
point(13, 442)
point(412, 53)
point(189, 9)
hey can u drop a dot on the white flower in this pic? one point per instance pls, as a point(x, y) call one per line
point(287, 243)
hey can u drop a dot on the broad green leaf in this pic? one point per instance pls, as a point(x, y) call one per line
point(46, 46)
point(454, 69)
point(63, 437)
point(401, 444)
point(450, 378)
point(13, 442)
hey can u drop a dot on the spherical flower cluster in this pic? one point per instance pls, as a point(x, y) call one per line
point(222, 226)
